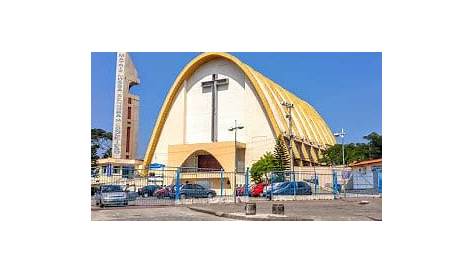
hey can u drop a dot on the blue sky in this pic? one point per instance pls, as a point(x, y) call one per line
point(345, 88)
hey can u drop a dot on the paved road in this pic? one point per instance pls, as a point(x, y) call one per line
point(168, 213)
point(348, 209)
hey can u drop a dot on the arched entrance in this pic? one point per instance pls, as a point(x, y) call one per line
point(194, 159)
point(207, 155)
point(201, 167)
point(201, 160)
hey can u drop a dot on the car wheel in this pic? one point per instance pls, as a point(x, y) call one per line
point(101, 204)
point(210, 195)
point(126, 203)
point(183, 196)
point(145, 195)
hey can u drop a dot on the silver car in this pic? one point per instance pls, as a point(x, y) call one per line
point(111, 195)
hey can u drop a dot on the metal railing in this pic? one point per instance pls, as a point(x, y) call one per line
point(173, 186)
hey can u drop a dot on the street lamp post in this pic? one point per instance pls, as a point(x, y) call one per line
point(234, 129)
point(289, 106)
point(341, 134)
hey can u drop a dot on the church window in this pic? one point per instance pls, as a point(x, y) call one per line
point(129, 112)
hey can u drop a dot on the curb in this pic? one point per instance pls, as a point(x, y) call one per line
point(374, 218)
point(244, 218)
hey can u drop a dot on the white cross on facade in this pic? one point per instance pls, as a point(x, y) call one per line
point(213, 85)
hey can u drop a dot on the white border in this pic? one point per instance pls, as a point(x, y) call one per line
point(427, 83)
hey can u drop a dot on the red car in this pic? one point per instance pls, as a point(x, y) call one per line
point(257, 189)
point(162, 192)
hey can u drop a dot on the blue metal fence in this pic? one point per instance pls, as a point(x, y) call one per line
point(178, 185)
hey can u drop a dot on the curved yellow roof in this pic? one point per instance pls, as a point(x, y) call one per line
point(307, 123)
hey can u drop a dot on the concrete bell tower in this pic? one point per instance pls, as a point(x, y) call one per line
point(126, 106)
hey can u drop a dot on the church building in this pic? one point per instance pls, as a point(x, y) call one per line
point(215, 93)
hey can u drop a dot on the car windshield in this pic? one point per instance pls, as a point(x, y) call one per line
point(274, 185)
point(113, 188)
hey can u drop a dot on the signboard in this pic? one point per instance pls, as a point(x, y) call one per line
point(156, 166)
point(118, 105)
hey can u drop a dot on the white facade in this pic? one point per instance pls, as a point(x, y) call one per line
point(189, 120)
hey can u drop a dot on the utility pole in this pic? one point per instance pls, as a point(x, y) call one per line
point(289, 106)
point(234, 129)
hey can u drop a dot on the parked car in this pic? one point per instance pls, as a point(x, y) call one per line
point(257, 189)
point(111, 195)
point(288, 188)
point(163, 192)
point(268, 187)
point(148, 190)
point(193, 191)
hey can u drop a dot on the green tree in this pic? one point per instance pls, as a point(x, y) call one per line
point(374, 145)
point(355, 152)
point(262, 167)
point(101, 144)
point(281, 155)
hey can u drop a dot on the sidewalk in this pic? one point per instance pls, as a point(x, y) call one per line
point(242, 216)
point(348, 209)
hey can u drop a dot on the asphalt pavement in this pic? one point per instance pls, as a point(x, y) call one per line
point(349, 209)
point(165, 213)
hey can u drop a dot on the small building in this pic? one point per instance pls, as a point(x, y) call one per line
point(368, 164)
point(112, 170)
point(366, 174)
